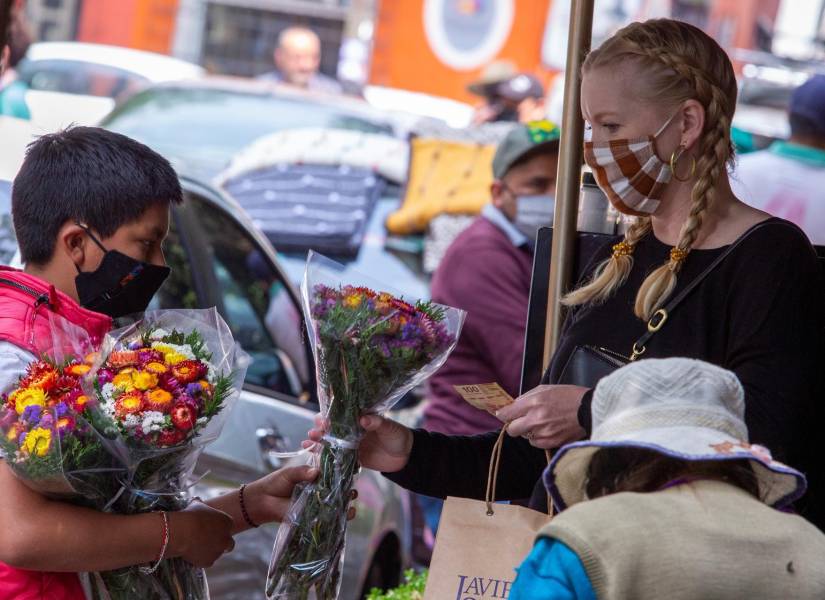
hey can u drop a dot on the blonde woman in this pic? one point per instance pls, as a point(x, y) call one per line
point(658, 98)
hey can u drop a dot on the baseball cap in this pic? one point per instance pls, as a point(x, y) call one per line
point(808, 101)
point(492, 75)
point(521, 87)
point(522, 140)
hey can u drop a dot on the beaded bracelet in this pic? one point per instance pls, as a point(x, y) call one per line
point(245, 514)
point(163, 547)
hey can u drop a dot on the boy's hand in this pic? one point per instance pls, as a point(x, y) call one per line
point(199, 534)
point(267, 499)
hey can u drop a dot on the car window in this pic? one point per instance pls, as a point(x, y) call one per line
point(178, 291)
point(79, 77)
point(254, 301)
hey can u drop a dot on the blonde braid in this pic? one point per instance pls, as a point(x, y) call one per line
point(714, 154)
point(611, 274)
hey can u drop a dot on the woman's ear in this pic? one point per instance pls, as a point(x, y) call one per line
point(693, 123)
point(72, 242)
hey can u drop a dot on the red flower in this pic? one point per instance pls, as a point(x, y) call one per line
point(40, 375)
point(188, 371)
point(171, 437)
point(183, 417)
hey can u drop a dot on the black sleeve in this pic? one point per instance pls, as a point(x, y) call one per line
point(451, 465)
point(584, 415)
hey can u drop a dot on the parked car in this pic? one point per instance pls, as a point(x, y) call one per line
point(201, 125)
point(75, 82)
point(208, 247)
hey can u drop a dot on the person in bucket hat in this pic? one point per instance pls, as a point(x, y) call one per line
point(668, 499)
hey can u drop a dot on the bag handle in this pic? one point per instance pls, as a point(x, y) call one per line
point(661, 316)
point(492, 474)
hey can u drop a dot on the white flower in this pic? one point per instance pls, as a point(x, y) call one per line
point(152, 421)
point(184, 350)
point(108, 392)
point(159, 334)
point(202, 421)
point(131, 421)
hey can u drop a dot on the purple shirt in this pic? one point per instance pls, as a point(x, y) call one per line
point(489, 277)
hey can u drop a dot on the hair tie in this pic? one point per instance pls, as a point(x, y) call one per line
point(622, 249)
point(678, 255)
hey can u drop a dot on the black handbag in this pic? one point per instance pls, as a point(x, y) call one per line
point(588, 364)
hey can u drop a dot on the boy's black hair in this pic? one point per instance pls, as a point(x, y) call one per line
point(89, 175)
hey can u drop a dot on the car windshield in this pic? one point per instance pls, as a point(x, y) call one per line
point(210, 126)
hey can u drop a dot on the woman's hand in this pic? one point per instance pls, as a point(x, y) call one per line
point(267, 499)
point(386, 446)
point(546, 415)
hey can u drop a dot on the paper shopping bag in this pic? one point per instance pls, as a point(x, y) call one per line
point(476, 553)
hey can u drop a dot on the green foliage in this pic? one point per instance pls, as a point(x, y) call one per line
point(411, 589)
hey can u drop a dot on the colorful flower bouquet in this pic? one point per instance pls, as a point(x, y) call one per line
point(163, 386)
point(121, 430)
point(370, 349)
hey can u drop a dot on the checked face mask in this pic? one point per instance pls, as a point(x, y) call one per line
point(629, 172)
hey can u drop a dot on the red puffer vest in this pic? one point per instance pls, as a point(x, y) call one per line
point(25, 302)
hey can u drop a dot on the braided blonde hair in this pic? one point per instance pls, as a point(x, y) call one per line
point(677, 62)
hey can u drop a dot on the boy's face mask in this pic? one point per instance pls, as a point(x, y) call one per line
point(121, 285)
point(533, 213)
point(629, 172)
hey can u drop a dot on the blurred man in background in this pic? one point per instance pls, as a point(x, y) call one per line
point(787, 180)
point(297, 60)
point(509, 96)
point(5, 20)
point(486, 87)
point(487, 272)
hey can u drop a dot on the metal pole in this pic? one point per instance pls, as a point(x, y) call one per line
point(569, 171)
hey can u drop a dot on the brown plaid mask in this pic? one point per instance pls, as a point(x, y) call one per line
point(629, 172)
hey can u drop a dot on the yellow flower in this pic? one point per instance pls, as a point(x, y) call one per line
point(352, 301)
point(13, 433)
point(144, 380)
point(163, 348)
point(78, 370)
point(123, 381)
point(174, 358)
point(157, 367)
point(38, 441)
point(28, 397)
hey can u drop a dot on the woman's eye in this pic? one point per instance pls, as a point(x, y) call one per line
point(611, 127)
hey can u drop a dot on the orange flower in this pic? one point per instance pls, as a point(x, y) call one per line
point(40, 375)
point(129, 404)
point(159, 400)
point(78, 369)
point(123, 381)
point(156, 367)
point(92, 358)
point(124, 358)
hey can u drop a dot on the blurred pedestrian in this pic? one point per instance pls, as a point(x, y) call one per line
point(5, 20)
point(787, 180)
point(524, 96)
point(297, 60)
point(486, 87)
point(12, 88)
point(669, 454)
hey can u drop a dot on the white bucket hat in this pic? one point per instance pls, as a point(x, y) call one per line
point(682, 408)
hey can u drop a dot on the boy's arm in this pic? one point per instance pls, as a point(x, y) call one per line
point(47, 535)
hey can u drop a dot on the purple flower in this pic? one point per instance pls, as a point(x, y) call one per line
point(32, 413)
point(47, 421)
point(21, 439)
point(60, 409)
point(135, 345)
point(105, 376)
point(194, 389)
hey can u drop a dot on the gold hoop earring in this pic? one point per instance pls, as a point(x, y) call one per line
point(674, 160)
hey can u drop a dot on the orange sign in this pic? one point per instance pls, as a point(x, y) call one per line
point(141, 24)
point(440, 46)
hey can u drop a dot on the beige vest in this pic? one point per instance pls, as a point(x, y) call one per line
point(706, 540)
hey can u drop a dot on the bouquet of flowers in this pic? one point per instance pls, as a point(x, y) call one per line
point(163, 387)
point(47, 435)
point(370, 349)
point(120, 430)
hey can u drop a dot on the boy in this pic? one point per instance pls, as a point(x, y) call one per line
point(90, 208)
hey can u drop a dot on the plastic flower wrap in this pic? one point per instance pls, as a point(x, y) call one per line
point(370, 349)
point(163, 387)
point(47, 435)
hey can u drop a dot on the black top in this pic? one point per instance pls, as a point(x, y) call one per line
point(761, 314)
